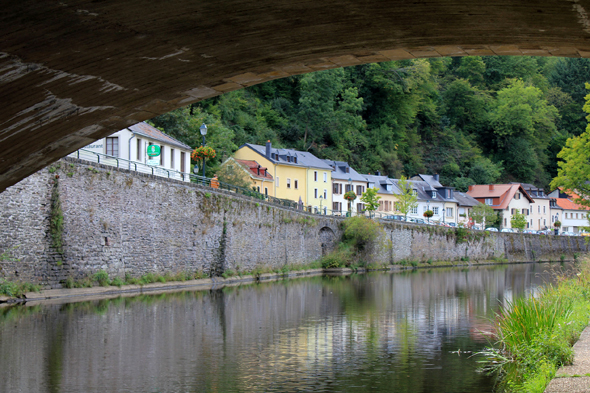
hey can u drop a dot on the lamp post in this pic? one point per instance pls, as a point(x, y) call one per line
point(321, 199)
point(203, 130)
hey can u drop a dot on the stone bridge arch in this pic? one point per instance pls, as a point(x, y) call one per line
point(327, 239)
point(75, 71)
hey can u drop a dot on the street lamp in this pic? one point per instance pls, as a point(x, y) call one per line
point(321, 199)
point(203, 130)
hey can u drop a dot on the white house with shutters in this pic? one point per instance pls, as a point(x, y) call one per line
point(131, 144)
point(345, 178)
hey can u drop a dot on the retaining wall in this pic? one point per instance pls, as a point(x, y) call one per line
point(130, 223)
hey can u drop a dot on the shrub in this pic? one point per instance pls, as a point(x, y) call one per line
point(360, 231)
point(117, 282)
point(102, 278)
point(341, 257)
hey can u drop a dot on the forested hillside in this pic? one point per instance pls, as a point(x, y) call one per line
point(470, 119)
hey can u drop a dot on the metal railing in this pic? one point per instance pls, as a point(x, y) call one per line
point(216, 184)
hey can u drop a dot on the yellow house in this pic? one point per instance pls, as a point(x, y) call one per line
point(297, 175)
point(387, 190)
point(259, 175)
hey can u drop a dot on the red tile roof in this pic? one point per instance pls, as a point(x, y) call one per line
point(252, 167)
point(504, 192)
point(567, 204)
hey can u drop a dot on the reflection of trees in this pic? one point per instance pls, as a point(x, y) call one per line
point(393, 331)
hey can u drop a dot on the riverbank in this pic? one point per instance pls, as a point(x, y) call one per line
point(534, 336)
point(105, 292)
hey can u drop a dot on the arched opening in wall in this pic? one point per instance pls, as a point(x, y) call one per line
point(327, 240)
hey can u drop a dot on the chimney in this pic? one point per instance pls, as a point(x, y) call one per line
point(258, 170)
point(491, 187)
point(377, 173)
point(435, 176)
point(471, 188)
point(268, 147)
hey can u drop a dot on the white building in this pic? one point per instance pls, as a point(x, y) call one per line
point(344, 179)
point(573, 217)
point(131, 144)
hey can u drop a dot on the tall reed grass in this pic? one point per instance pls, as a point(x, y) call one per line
point(534, 335)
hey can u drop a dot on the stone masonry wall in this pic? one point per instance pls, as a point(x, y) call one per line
point(129, 223)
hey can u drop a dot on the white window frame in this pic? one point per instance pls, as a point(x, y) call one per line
point(288, 183)
point(489, 201)
point(296, 184)
point(315, 193)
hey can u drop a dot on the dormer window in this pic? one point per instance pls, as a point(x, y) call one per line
point(295, 159)
point(388, 187)
point(433, 194)
point(415, 192)
point(371, 185)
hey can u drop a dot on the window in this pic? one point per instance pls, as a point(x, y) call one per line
point(315, 193)
point(277, 183)
point(325, 194)
point(112, 147)
point(288, 183)
point(335, 188)
point(360, 190)
point(512, 211)
point(517, 195)
point(435, 211)
point(336, 206)
point(182, 160)
point(258, 188)
point(489, 201)
point(424, 208)
point(539, 209)
point(543, 209)
point(415, 192)
point(449, 212)
point(161, 155)
point(380, 206)
point(360, 207)
point(315, 175)
point(544, 221)
point(266, 191)
point(139, 149)
point(348, 187)
point(414, 210)
point(296, 184)
point(172, 159)
point(325, 177)
point(433, 194)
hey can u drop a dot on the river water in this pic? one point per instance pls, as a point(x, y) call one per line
point(380, 332)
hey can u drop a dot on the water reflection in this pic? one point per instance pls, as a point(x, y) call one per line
point(377, 332)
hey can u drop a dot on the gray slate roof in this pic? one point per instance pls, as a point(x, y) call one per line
point(381, 182)
point(466, 200)
point(339, 172)
point(148, 131)
point(304, 159)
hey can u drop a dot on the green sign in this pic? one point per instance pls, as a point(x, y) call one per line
point(153, 150)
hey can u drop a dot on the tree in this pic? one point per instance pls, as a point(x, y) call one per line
point(406, 200)
point(371, 199)
point(232, 173)
point(574, 171)
point(483, 214)
point(518, 220)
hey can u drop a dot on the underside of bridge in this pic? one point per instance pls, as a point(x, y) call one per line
point(75, 71)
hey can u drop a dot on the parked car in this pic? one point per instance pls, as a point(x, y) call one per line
point(530, 231)
point(492, 229)
point(507, 230)
point(452, 224)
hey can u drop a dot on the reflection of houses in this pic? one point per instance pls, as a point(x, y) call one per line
point(440, 198)
point(131, 144)
point(505, 199)
point(344, 179)
point(572, 216)
point(297, 174)
point(261, 180)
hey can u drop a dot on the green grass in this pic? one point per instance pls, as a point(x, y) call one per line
point(534, 336)
point(17, 289)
